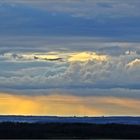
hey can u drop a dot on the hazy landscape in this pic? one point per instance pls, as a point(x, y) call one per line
point(69, 127)
point(58, 119)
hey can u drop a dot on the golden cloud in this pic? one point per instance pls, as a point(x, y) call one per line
point(87, 56)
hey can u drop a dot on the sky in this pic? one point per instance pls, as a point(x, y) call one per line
point(70, 57)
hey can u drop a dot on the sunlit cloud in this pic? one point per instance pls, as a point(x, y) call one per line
point(87, 56)
point(58, 56)
point(32, 56)
point(69, 69)
point(134, 63)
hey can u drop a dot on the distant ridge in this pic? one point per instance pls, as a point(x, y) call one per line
point(73, 119)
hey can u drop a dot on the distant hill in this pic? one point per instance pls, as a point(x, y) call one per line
point(32, 127)
point(55, 119)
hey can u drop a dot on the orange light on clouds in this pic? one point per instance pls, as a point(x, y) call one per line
point(67, 105)
point(86, 56)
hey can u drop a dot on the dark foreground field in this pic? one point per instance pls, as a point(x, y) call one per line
point(68, 130)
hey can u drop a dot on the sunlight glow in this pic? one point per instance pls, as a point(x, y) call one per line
point(67, 105)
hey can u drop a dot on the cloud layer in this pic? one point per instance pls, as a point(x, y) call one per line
point(86, 8)
point(71, 68)
point(104, 18)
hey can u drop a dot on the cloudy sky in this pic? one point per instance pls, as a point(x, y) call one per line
point(70, 57)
